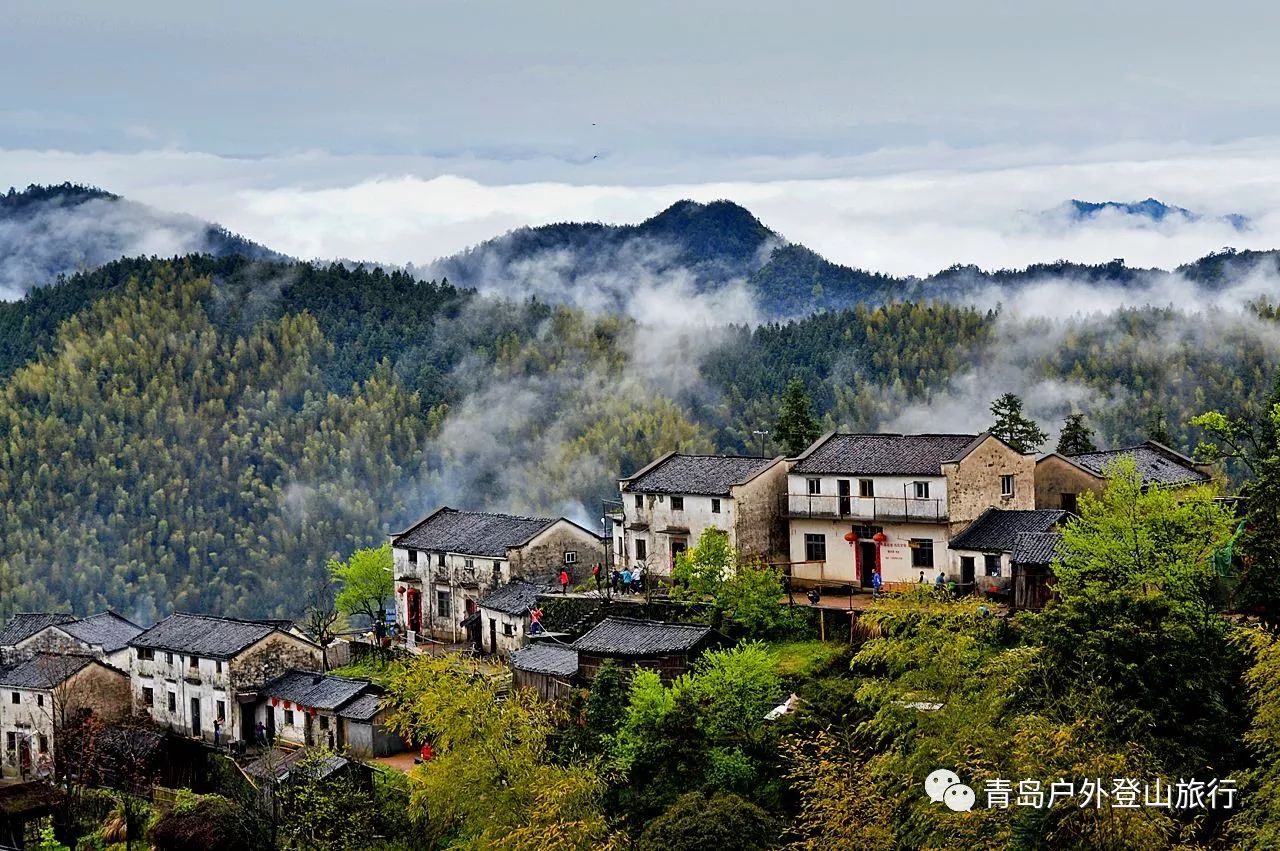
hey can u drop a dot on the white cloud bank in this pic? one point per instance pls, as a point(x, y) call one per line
point(902, 212)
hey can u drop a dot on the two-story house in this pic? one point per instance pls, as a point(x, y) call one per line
point(1060, 479)
point(858, 504)
point(104, 636)
point(190, 671)
point(667, 505)
point(45, 692)
point(448, 560)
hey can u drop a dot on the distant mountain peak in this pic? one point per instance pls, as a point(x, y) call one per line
point(1150, 209)
point(56, 193)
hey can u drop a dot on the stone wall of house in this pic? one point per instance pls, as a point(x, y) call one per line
point(1056, 476)
point(103, 692)
point(270, 658)
point(760, 531)
point(973, 484)
point(544, 556)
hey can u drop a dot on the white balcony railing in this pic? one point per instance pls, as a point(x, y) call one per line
point(833, 507)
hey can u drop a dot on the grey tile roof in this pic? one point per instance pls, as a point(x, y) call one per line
point(363, 708)
point(514, 598)
point(471, 532)
point(544, 657)
point(617, 636)
point(43, 670)
point(1156, 464)
point(203, 635)
point(883, 454)
point(23, 625)
point(997, 530)
point(1036, 547)
point(107, 630)
point(703, 475)
point(314, 689)
point(278, 763)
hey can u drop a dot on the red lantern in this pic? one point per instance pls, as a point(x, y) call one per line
point(851, 537)
point(427, 752)
point(879, 537)
point(288, 705)
point(275, 701)
point(312, 712)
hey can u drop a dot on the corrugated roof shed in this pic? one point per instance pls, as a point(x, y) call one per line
point(702, 475)
point(314, 689)
point(883, 454)
point(514, 598)
point(544, 657)
point(23, 625)
point(1156, 464)
point(617, 636)
point(1037, 547)
point(997, 529)
point(203, 635)
point(471, 532)
point(43, 670)
point(107, 630)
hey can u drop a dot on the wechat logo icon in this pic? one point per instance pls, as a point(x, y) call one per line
point(944, 786)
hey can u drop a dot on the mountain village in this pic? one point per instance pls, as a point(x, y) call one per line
point(850, 518)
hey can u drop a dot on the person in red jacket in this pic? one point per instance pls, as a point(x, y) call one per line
point(595, 571)
point(564, 581)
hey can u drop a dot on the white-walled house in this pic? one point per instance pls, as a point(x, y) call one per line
point(667, 505)
point(858, 504)
point(982, 553)
point(448, 560)
point(104, 636)
point(309, 708)
point(504, 616)
point(41, 694)
point(189, 671)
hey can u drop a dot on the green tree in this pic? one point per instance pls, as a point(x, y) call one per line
point(700, 572)
point(324, 811)
point(1015, 429)
point(1158, 426)
point(698, 822)
point(1076, 437)
point(796, 427)
point(366, 583)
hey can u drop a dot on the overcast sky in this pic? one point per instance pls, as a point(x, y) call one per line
point(400, 131)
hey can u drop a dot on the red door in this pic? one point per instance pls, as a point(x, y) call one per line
point(413, 603)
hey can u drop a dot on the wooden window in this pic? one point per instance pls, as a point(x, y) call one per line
point(443, 603)
point(814, 486)
point(217, 665)
point(413, 556)
point(193, 661)
point(11, 741)
point(39, 700)
point(173, 701)
point(866, 488)
point(715, 506)
point(1069, 503)
point(15, 698)
point(508, 629)
point(146, 654)
point(639, 502)
point(1006, 485)
point(221, 710)
point(148, 696)
point(288, 717)
point(815, 547)
point(168, 658)
point(42, 742)
point(677, 503)
point(922, 490)
point(642, 550)
point(992, 564)
point(922, 552)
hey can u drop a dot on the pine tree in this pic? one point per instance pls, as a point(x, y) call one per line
point(1076, 437)
point(1158, 427)
point(797, 427)
point(1020, 432)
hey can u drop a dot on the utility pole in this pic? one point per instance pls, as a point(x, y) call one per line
point(762, 434)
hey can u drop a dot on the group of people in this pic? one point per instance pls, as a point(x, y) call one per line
point(628, 580)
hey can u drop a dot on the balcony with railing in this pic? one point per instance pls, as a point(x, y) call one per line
point(864, 508)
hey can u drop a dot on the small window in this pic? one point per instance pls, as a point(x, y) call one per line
point(146, 654)
point(173, 701)
point(1006, 485)
point(922, 490)
point(469, 563)
point(642, 550)
point(221, 710)
point(288, 717)
point(508, 629)
point(193, 661)
point(677, 503)
point(715, 505)
point(15, 698)
point(1069, 503)
point(993, 564)
point(148, 696)
point(921, 552)
point(571, 557)
point(815, 486)
point(11, 741)
point(217, 665)
point(324, 722)
point(815, 547)
point(443, 603)
point(440, 559)
point(639, 501)
point(168, 658)
point(42, 742)
point(866, 488)
point(39, 700)
point(413, 556)
point(618, 546)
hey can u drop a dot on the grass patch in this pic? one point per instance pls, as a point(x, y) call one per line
point(806, 658)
